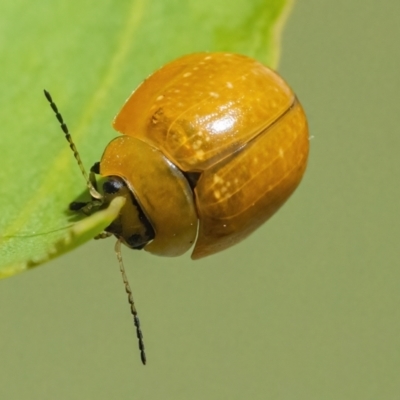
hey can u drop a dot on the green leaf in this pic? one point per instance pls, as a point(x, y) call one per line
point(90, 56)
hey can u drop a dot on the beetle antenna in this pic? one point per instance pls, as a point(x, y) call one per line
point(93, 192)
point(131, 302)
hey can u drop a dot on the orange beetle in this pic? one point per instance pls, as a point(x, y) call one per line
point(214, 139)
point(213, 145)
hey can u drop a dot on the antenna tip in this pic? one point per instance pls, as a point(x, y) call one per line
point(47, 94)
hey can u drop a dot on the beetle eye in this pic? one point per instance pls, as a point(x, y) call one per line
point(112, 185)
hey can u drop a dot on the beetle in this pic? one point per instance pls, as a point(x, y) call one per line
point(212, 145)
point(212, 142)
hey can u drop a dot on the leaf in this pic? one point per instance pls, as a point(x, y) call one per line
point(90, 57)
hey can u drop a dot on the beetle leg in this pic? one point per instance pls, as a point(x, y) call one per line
point(86, 208)
point(103, 235)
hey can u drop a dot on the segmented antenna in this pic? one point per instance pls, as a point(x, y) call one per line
point(131, 302)
point(93, 192)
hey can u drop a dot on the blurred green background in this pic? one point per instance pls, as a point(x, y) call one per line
point(307, 308)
